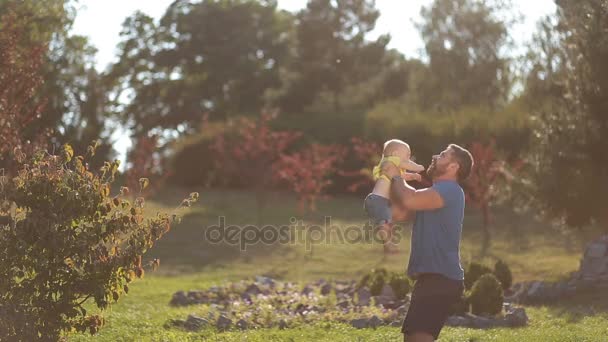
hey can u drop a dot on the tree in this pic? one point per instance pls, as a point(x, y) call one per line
point(465, 42)
point(332, 52)
point(571, 163)
point(20, 109)
point(212, 56)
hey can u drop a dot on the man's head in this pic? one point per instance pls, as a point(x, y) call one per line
point(454, 163)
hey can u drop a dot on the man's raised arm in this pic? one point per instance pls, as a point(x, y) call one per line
point(405, 196)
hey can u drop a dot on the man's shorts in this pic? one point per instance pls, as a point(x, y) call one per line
point(432, 299)
point(378, 209)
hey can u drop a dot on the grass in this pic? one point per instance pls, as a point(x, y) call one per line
point(532, 248)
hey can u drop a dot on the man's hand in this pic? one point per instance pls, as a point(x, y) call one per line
point(410, 176)
point(389, 169)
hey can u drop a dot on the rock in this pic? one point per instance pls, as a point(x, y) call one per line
point(282, 324)
point(533, 290)
point(481, 322)
point(387, 291)
point(342, 296)
point(457, 321)
point(246, 297)
point(374, 322)
point(179, 299)
point(253, 289)
point(242, 324)
point(596, 250)
point(195, 323)
point(402, 310)
point(517, 317)
point(266, 281)
point(343, 304)
point(396, 324)
point(363, 296)
point(223, 323)
point(359, 323)
point(307, 290)
point(325, 289)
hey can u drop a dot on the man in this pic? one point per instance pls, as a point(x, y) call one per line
point(435, 246)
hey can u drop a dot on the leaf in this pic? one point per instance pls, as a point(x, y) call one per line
point(143, 183)
point(68, 152)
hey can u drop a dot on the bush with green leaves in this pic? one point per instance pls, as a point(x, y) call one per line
point(504, 275)
point(473, 272)
point(400, 284)
point(377, 278)
point(486, 296)
point(64, 239)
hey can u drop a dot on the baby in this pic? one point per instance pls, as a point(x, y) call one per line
point(377, 203)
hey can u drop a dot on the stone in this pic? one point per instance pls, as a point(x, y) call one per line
point(307, 290)
point(195, 323)
point(517, 317)
point(481, 322)
point(325, 289)
point(343, 304)
point(253, 289)
point(396, 324)
point(282, 324)
point(533, 290)
point(242, 324)
point(387, 291)
point(246, 297)
point(265, 281)
point(374, 322)
point(359, 323)
point(363, 296)
point(596, 250)
point(179, 299)
point(457, 321)
point(223, 323)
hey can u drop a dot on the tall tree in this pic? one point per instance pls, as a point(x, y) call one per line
point(465, 42)
point(571, 160)
point(332, 50)
point(209, 56)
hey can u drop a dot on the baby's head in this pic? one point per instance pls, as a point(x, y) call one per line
point(399, 148)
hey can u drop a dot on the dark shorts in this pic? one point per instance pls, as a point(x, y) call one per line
point(432, 299)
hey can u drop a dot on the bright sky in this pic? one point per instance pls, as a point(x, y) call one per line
point(101, 21)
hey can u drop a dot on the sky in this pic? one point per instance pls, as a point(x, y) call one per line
point(101, 21)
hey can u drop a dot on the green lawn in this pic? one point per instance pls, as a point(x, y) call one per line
point(533, 249)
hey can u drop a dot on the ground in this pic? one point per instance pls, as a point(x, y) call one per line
point(532, 248)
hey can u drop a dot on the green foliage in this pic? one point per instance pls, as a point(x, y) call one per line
point(572, 130)
point(400, 284)
point(486, 296)
point(473, 272)
point(377, 278)
point(67, 239)
point(503, 274)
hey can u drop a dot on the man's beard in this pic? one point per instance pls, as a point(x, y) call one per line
point(433, 171)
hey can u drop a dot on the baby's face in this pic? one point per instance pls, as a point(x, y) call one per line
point(404, 154)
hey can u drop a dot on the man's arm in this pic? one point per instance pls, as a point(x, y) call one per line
point(412, 199)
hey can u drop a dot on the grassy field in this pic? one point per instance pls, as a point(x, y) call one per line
point(533, 249)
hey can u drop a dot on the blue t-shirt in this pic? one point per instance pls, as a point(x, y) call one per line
point(435, 244)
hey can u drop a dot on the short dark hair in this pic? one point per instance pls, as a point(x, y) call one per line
point(464, 159)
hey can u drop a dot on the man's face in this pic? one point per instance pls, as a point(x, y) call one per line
point(440, 163)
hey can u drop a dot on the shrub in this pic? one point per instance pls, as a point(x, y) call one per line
point(473, 272)
point(486, 295)
point(462, 305)
point(400, 284)
point(63, 240)
point(503, 273)
point(375, 280)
